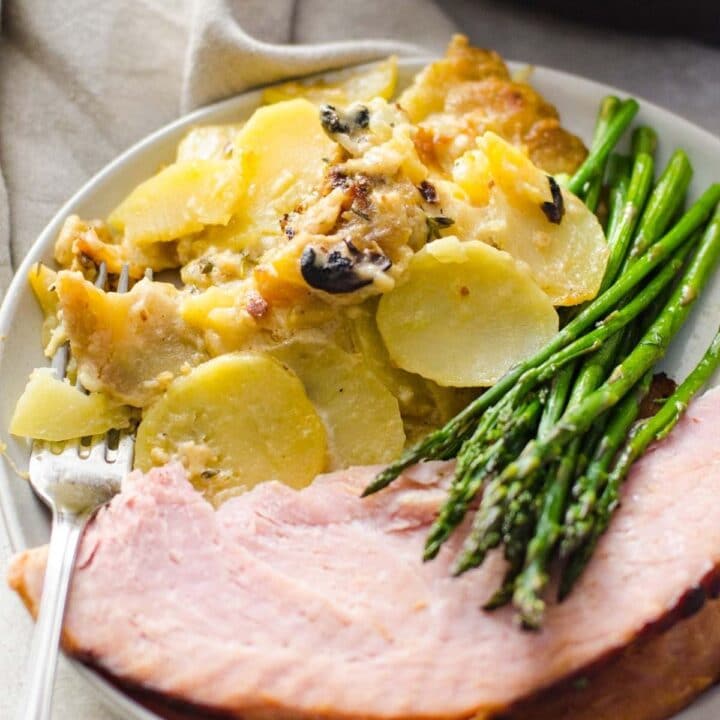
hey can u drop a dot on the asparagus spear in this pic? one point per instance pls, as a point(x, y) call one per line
point(577, 527)
point(654, 428)
point(608, 107)
point(533, 579)
point(599, 154)
point(644, 140)
point(664, 202)
point(621, 232)
point(465, 487)
point(618, 181)
point(519, 519)
point(443, 441)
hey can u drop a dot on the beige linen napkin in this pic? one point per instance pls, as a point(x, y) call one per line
point(224, 56)
point(81, 81)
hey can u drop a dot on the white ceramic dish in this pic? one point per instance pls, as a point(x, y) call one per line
point(20, 319)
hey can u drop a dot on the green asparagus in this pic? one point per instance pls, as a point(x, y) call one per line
point(655, 428)
point(599, 154)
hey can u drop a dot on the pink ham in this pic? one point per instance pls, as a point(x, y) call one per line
point(315, 604)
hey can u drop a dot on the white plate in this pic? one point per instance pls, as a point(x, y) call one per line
point(20, 319)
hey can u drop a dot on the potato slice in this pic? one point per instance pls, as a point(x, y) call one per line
point(127, 345)
point(208, 142)
point(52, 409)
point(465, 314)
point(42, 281)
point(412, 392)
point(220, 314)
point(361, 416)
point(345, 88)
point(286, 152)
point(566, 258)
point(233, 422)
point(181, 199)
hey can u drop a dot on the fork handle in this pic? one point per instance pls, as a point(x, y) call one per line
point(64, 539)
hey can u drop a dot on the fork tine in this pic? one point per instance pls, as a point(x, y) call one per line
point(126, 444)
point(60, 360)
point(101, 278)
point(124, 279)
point(97, 450)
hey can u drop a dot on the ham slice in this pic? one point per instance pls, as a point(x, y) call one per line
point(315, 604)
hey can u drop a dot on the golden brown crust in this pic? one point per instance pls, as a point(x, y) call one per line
point(469, 91)
point(652, 679)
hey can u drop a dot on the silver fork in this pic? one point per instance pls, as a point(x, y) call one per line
point(73, 483)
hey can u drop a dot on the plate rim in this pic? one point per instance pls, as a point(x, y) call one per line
point(108, 693)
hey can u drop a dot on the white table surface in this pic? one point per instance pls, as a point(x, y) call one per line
point(678, 74)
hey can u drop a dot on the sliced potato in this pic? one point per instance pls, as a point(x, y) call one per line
point(361, 416)
point(42, 281)
point(53, 409)
point(286, 152)
point(465, 314)
point(208, 142)
point(181, 199)
point(412, 391)
point(233, 422)
point(567, 258)
point(347, 87)
point(220, 313)
point(127, 345)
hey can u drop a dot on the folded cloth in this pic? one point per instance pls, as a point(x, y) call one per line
point(226, 56)
point(82, 81)
point(5, 267)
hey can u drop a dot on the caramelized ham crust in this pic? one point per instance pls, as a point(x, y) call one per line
point(314, 603)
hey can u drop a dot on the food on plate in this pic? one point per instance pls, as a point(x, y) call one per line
point(444, 300)
point(456, 99)
point(464, 314)
point(278, 588)
point(235, 421)
point(289, 231)
point(128, 346)
point(42, 281)
point(361, 415)
point(341, 88)
point(285, 154)
point(181, 199)
point(567, 255)
point(208, 142)
point(53, 409)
